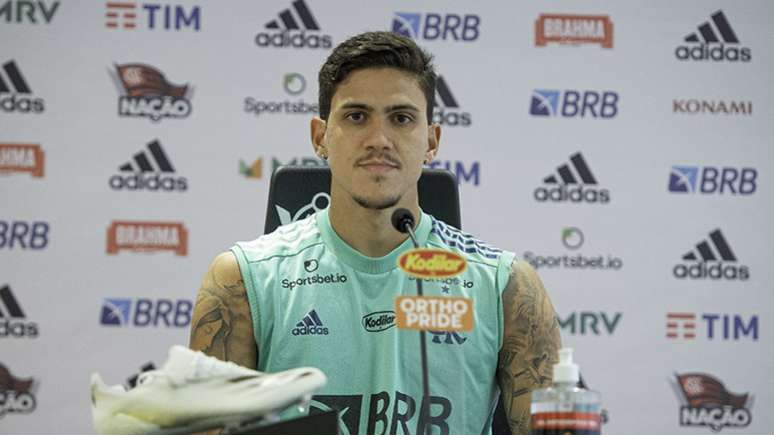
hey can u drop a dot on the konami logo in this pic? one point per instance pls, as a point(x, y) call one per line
point(147, 237)
point(22, 158)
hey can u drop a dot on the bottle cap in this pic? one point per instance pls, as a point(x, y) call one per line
point(565, 371)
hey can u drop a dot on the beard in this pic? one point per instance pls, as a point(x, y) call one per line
point(376, 204)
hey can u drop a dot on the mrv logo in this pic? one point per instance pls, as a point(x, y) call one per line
point(145, 92)
point(573, 183)
point(712, 179)
point(27, 11)
point(294, 84)
point(17, 395)
point(255, 170)
point(574, 104)
point(469, 175)
point(20, 99)
point(23, 235)
point(573, 239)
point(712, 259)
point(433, 27)
point(295, 28)
point(310, 325)
point(715, 41)
point(13, 322)
point(164, 17)
point(716, 326)
point(379, 321)
point(705, 402)
point(149, 170)
point(446, 110)
point(146, 312)
point(590, 322)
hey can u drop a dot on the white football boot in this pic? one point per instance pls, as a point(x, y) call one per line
point(195, 392)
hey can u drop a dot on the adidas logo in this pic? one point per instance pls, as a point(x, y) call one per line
point(289, 30)
point(441, 113)
point(145, 92)
point(12, 317)
point(708, 42)
point(562, 185)
point(310, 325)
point(12, 81)
point(144, 172)
point(710, 260)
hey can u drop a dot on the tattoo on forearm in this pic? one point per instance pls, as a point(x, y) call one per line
point(530, 347)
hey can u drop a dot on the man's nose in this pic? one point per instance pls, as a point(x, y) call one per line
point(379, 136)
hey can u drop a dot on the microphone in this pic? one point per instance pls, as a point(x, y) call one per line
point(403, 221)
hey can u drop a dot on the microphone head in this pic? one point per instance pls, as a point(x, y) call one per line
point(402, 217)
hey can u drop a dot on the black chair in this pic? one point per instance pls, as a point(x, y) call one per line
point(297, 192)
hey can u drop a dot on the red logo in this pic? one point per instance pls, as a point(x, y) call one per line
point(574, 29)
point(681, 325)
point(22, 158)
point(147, 237)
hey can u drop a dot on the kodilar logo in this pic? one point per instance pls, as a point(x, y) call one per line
point(22, 158)
point(705, 402)
point(379, 321)
point(17, 395)
point(296, 28)
point(145, 92)
point(574, 29)
point(149, 170)
point(574, 183)
point(142, 236)
point(432, 263)
point(21, 99)
point(715, 41)
point(12, 319)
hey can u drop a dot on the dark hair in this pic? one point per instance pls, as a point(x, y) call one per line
point(375, 50)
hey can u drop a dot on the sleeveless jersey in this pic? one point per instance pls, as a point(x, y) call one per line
point(316, 301)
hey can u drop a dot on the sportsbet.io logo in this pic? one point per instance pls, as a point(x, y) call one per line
point(574, 183)
point(712, 259)
point(294, 85)
point(295, 27)
point(573, 239)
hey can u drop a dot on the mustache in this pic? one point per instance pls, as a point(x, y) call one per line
point(378, 156)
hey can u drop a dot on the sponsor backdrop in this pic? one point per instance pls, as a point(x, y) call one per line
point(622, 149)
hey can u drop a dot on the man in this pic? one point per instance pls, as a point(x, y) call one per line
point(257, 308)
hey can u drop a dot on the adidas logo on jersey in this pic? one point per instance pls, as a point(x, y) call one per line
point(149, 170)
point(310, 325)
point(288, 32)
point(714, 41)
point(712, 259)
point(573, 184)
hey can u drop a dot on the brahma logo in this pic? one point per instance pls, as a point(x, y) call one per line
point(17, 395)
point(574, 29)
point(432, 263)
point(147, 237)
point(22, 158)
point(145, 92)
point(705, 402)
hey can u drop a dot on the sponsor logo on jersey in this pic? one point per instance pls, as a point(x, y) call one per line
point(432, 263)
point(310, 325)
point(379, 321)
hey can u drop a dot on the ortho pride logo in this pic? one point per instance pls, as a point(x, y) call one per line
point(143, 236)
point(574, 29)
point(145, 92)
point(22, 158)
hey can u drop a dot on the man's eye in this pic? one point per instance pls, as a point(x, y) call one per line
point(356, 116)
point(402, 118)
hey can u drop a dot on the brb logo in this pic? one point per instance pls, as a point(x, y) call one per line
point(23, 235)
point(146, 312)
point(433, 27)
point(123, 14)
point(574, 104)
point(713, 259)
point(712, 179)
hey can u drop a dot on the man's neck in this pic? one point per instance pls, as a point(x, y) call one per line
point(368, 231)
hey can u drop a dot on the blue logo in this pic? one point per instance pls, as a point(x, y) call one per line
point(469, 173)
point(432, 27)
point(448, 338)
point(24, 235)
point(574, 104)
point(711, 179)
point(146, 312)
point(310, 325)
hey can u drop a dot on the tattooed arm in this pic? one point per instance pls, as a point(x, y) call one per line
point(530, 344)
point(221, 325)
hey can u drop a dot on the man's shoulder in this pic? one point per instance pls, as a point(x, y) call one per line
point(446, 236)
point(286, 240)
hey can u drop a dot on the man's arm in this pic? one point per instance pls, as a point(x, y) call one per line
point(221, 325)
point(531, 344)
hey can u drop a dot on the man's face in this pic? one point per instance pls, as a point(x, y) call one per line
point(376, 137)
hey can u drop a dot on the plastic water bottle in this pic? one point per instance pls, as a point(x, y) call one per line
point(564, 408)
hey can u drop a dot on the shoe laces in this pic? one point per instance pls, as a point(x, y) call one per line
point(200, 368)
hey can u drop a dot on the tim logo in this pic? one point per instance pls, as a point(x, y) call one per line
point(715, 41)
point(320, 201)
point(154, 16)
point(433, 27)
point(295, 27)
point(574, 104)
point(22, 158)
point(12, 318)
point(146, 312)
point(712, 259)
point(26, 11)
point(145, 92)
point(17, 395)
point(20, 99)
point(446, 110)
point(468, 173)
point(149, 170)
point(23, 235)
point(147, 237)
point(713, 180)
point(574, 30)
point(732, 327)
point(705, 402)
point(573, 182)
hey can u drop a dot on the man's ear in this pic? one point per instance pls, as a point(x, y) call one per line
point(317, 130)
point(433, 141)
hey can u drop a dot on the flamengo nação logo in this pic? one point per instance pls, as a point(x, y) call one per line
point(145, 92)
point(705, 402)
point(17, 395)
